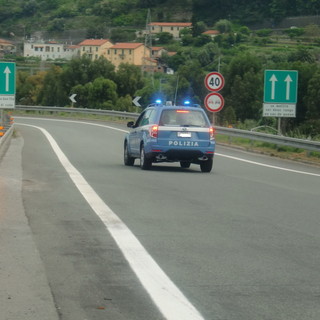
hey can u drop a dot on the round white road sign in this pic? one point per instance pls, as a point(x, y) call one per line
point(214, 102)
point(214, 81)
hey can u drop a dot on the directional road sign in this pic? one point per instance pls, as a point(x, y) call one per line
point(135, 101)
point(72, 98)
point(7, 85)
point(280, 86)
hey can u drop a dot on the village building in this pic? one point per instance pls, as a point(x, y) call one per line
point(173, 28)
point(50, 50)
point(157, 52)
point(95, 48)
point(7, 47)
point(211, 33)
point(131, 52)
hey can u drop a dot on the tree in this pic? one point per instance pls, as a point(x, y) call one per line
point(164, 37)
point(313, 97)
point(243, 89)
point(29, 87)
point(102, 93)
point(125, 104)
point(129, 79)
point(52, 93)
point(83, 70)
point(224, 26)
point(302, 54)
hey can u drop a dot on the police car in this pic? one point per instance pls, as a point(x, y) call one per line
point(166, 133)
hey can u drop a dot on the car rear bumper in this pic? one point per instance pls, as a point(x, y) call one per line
point(195, 156)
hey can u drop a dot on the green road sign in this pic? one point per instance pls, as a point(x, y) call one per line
point(280, 86)
point(7, 78)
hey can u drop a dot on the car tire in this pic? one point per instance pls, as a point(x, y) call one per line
point(185, 164)
point(145, 163)
point(128, 160)
point(206, 166)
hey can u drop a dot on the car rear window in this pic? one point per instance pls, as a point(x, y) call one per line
point(183, 117)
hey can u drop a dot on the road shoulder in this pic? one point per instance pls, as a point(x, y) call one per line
point(25, 292)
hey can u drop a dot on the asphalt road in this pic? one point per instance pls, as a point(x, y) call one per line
point(115, 242)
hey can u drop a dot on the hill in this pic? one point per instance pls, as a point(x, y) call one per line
point(20, 18)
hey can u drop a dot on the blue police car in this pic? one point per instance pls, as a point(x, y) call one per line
point(166, 133)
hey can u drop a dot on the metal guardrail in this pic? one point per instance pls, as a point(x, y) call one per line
point(275, 139)
point(80, 110)
point(4, 141)
point(270, 138)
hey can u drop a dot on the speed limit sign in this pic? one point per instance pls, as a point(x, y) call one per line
point(214, 102)
point(214, 81)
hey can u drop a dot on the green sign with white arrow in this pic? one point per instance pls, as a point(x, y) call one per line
point(7, 78)
point(280, 86)
point(7, 85)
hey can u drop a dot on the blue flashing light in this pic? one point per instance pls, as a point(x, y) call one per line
point(158, 101)
point(186, 103)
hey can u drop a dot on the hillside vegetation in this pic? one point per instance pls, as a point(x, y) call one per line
point(238, 52)
point(22, 17)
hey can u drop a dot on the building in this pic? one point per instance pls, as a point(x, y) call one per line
point(132, 53)
point(50, 50)
point(171, 27)
point(95, 48)
point(211, 33)
point(7, 47)
point(157, 52)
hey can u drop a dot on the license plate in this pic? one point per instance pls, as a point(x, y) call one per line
point(184, 134)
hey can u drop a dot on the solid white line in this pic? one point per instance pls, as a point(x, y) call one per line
point(267, 165)
point(168, 298)
point(72, 121)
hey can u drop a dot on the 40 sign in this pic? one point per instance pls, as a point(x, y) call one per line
point(214, 81)
point(214, 102)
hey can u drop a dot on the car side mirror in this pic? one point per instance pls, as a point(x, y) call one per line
point(130, 124)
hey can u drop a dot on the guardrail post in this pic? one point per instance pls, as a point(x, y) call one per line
point(2, 120)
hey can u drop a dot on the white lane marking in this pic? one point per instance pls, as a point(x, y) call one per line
point(267, 165)
point(72, 121)
point(217, 154)
point(168, 298)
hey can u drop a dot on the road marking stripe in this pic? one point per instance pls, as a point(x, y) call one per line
point(168, 298)
point(267, 165)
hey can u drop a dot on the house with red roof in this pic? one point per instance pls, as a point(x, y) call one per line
point(6, 47)
point(171, 27)
point(128, 52)
point(211, 33)
point(94, 48)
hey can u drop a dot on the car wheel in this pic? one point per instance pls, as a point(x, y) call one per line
point(128, 160)
point(185, 164)
point(206, 166)
point(145, 163)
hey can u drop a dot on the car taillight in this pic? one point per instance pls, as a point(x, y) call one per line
point(154, 131)
point(212, 132)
